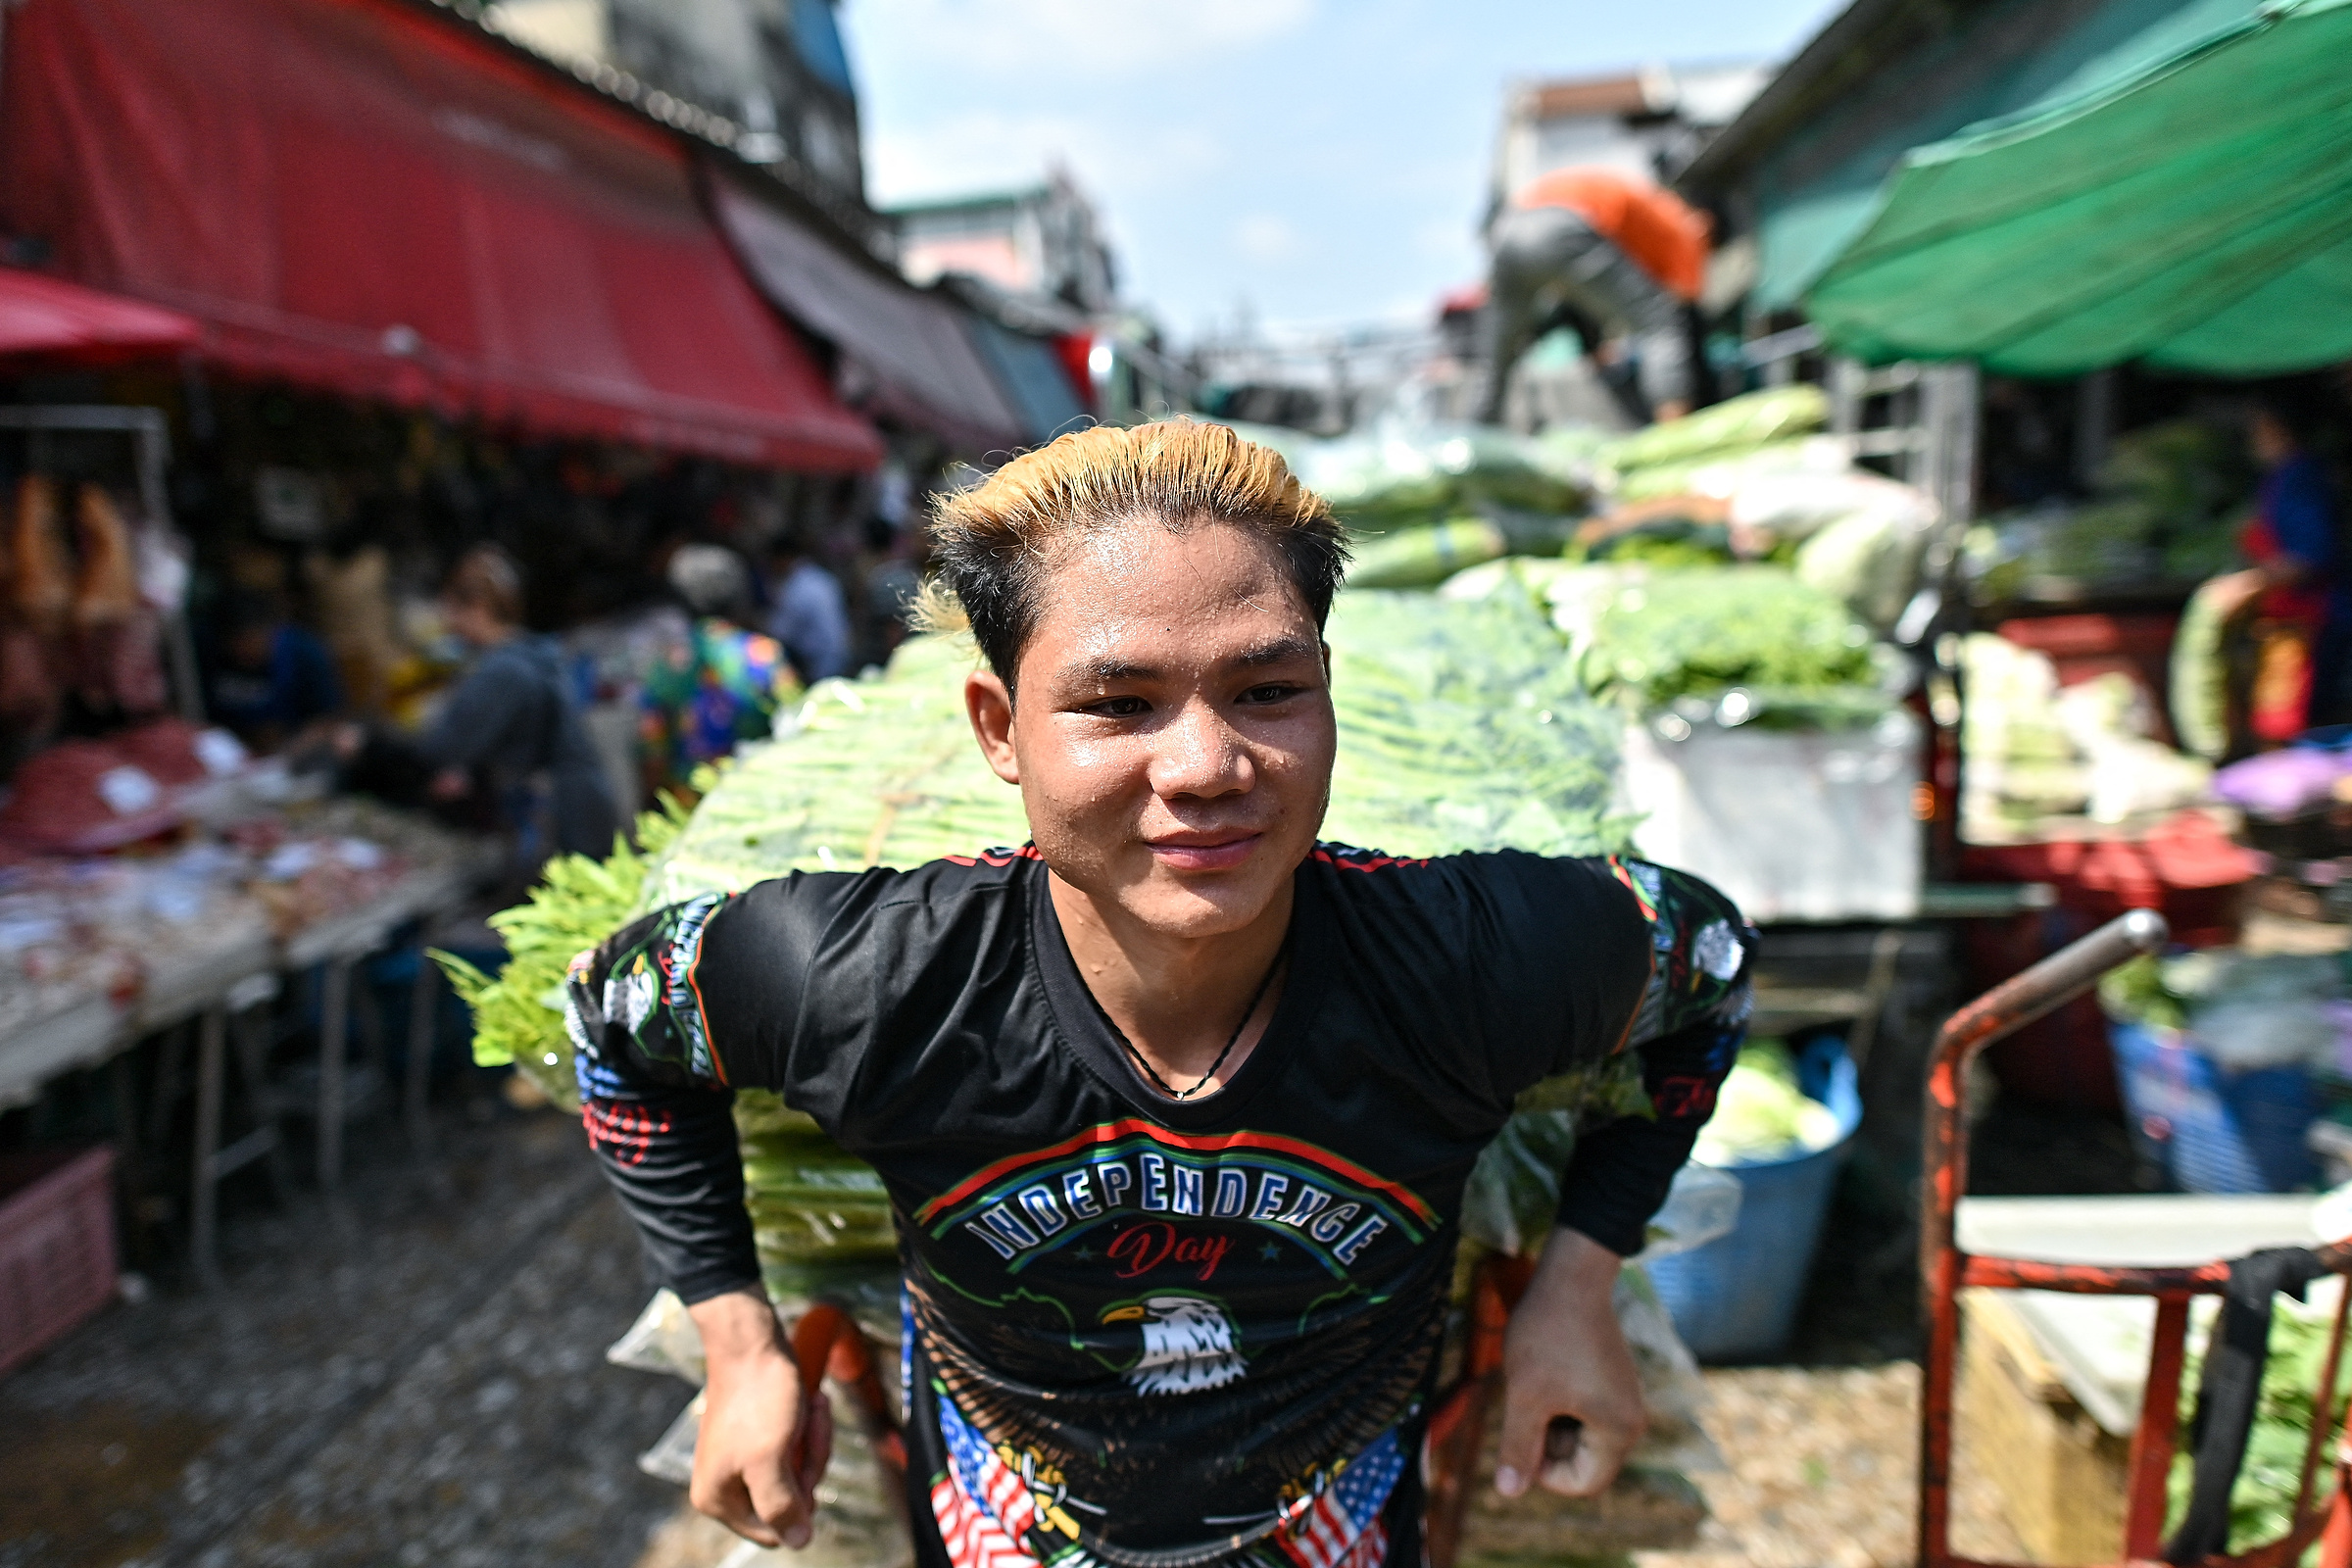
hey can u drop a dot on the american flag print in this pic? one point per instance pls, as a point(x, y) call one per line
point(983, 1507)
point(1342, 1528)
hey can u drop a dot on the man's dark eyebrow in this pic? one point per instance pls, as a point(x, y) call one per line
point(1112, 671)
point(1275, 652)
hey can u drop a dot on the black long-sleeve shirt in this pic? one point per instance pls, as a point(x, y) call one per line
point(1143, 1331)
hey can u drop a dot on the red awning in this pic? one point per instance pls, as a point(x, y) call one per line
point(364, 197)
point(47, 316)
point(913, 346)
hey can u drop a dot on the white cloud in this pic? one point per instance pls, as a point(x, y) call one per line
point(1093, 36)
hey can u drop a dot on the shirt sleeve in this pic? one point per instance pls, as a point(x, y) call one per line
point(1686, 1030)
point(668, 1017)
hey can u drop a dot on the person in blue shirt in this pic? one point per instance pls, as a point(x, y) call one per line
point(271, 678)
point(2296, 582)
point(810, 617)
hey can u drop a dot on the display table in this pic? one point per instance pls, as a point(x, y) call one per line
point(219, 980)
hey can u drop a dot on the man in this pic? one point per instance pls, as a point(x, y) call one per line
point(1616, 259)
point(1175, 1105)
point(270, 679)
point(510, 734)
point(810, 619)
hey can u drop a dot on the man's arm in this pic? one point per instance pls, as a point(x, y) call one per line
point(660, 1115)
point(1563, 1355)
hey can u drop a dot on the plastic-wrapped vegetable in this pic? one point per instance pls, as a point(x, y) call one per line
point(1420, 558)
point(1750, 421)
point(1392, 478)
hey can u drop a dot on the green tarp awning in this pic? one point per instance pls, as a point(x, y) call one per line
point(2195, 213)
point(2010, 57)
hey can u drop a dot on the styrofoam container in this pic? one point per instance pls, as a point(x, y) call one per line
point(1791, 824)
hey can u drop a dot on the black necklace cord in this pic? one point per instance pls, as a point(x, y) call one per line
point(1247, 1013)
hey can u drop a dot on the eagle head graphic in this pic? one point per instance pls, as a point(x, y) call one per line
point(1189, 1344)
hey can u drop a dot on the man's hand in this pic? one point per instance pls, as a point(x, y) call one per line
point(764, 1442)
point(1564, 1356)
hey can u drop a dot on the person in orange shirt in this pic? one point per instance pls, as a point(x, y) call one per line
point(1608, 254)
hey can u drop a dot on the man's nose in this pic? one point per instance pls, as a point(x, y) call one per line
point(1200, 753)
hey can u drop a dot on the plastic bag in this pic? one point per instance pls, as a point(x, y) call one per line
point(1672, 1390)
point(663, 1338)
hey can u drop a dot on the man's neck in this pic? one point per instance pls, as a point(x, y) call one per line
point(1178, 1000)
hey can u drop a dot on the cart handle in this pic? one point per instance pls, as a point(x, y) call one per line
point(1998, 1013)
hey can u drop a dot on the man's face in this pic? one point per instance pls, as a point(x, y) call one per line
point(1173, 737)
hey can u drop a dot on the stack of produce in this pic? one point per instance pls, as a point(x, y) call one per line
point(1423, 501)
point(2039, 754)
point(2163, 510)
point(1761, 1115)
point(1767, 427)
point(2262, 1501)
point(1729, 644)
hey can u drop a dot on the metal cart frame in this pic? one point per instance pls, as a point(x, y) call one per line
point(1945, 1270)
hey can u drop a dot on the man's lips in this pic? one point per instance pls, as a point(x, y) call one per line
point(1204, 851)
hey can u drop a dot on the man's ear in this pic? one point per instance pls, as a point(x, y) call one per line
point(990, 707)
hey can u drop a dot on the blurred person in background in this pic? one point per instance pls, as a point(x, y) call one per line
point(723, 685)
point(508, 739)
point(811, 617)
point(270, 679)
point(2296, 588)
point(892, 582)
point(1617, 259)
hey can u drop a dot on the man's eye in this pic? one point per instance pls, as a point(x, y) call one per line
point(1121, 707)
point(1272, 692)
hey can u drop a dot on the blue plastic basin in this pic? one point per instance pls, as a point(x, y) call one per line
point(1736, 1299)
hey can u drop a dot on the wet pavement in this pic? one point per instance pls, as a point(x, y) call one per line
point(412, 1372)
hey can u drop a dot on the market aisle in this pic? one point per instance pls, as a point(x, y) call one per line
point(411, 1376)
point(1821, 1474)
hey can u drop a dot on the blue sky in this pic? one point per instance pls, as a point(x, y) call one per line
point(1321, 159)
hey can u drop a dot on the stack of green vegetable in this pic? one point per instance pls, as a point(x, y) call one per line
point(1690, 641)
point(1424, 501)
point(2163, 511)
point(2262, 1502)
point(1761, 1115)
point(1660, 459)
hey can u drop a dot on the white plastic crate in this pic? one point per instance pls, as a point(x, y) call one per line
point(1793, 825)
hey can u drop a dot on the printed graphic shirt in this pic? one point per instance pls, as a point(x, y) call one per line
point(1143, 1332)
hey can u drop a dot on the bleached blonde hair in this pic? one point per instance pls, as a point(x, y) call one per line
point(996, 542)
